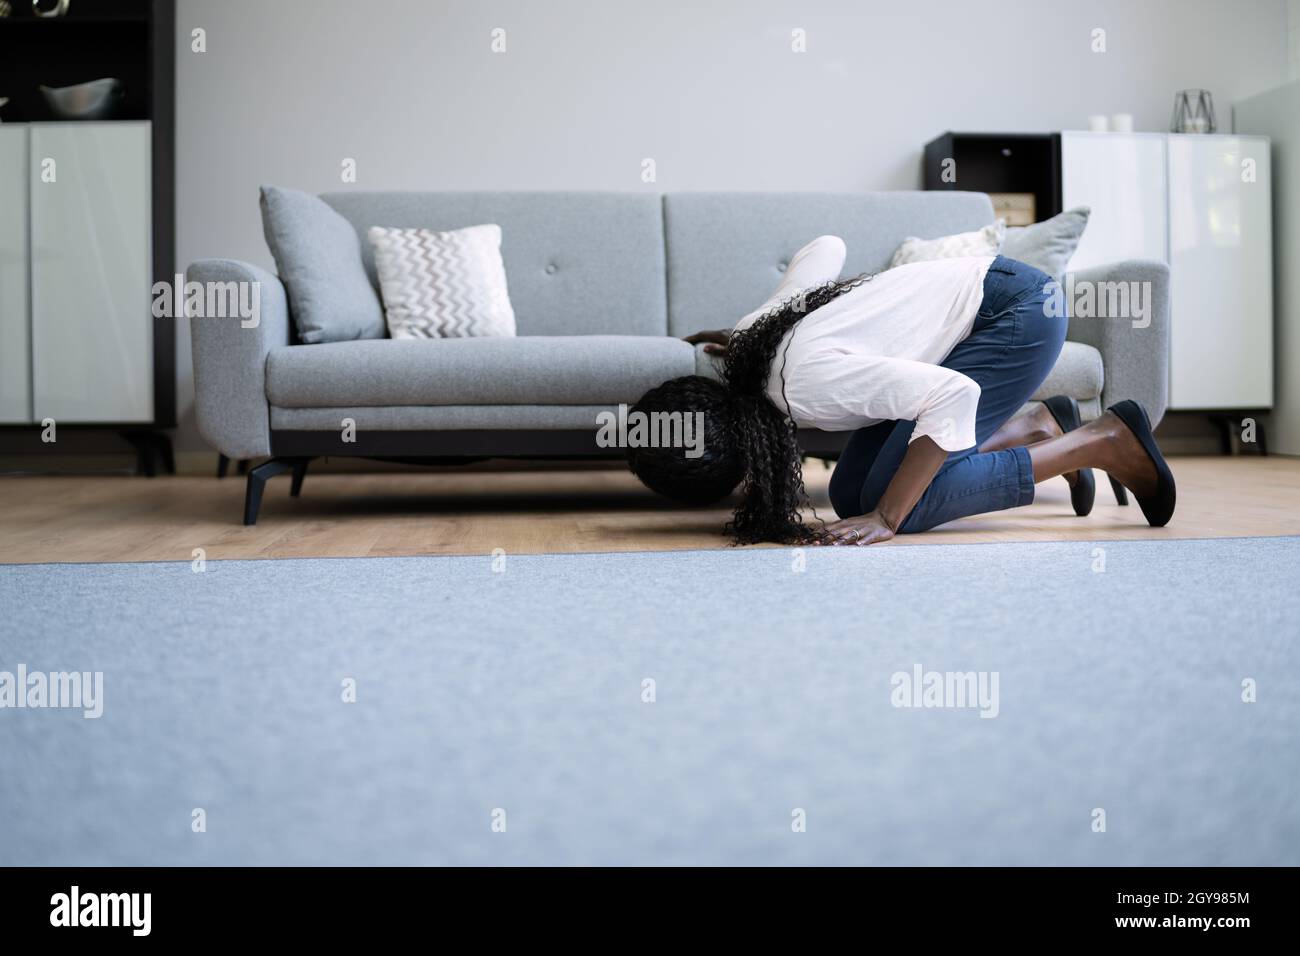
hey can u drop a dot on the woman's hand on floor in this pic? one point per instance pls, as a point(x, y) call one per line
point(716, 340)
point(865, 529)
point(920, 464)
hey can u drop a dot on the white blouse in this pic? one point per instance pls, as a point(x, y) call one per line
point(873, 354)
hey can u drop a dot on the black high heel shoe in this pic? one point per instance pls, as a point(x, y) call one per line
point(1159, 505)
point(1083, 493)
point(1121, 496)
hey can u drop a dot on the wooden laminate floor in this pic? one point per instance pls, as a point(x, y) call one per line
point(88, 519)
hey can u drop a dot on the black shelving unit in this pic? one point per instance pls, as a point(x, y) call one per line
point(1000, 163)
point(135, 41)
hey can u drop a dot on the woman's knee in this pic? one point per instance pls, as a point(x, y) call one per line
point(845, 490)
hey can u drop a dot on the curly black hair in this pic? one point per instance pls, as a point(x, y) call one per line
point(748, 440)
point(669, 471)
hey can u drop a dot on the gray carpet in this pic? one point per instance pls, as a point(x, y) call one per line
point(522, 690)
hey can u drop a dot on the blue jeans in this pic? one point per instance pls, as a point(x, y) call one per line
point(1011, 348)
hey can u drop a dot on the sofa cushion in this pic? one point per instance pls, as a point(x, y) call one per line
point(539, 370)
point(443, 285)
point(985, 241)
point(577, 263)
point(1077, 373)
point(727, 250)
point(318, 257)
point(1048, 245)
point(396, 418)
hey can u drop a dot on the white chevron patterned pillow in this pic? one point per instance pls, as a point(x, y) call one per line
point(443, 284)
point(981, 242)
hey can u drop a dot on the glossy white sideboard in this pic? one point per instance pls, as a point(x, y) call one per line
point(88, 321)
point(1122, 177)
point(1201, 203)
point(15, 320)
point(1221, 263)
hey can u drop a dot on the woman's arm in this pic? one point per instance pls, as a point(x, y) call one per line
point(819, 262)
point(920, 464)
point(839, 392)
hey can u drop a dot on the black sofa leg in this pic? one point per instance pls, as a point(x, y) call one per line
point(257, 478)
point(223, 466)
point(299, 473)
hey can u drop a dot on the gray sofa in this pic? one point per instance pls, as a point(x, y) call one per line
point(603, 286)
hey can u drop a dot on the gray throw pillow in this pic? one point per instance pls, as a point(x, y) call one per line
point(1048, 245)
point(318, 256)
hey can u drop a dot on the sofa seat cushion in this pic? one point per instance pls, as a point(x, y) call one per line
point(397, 418)
point(529, 370)
point(1078, 374)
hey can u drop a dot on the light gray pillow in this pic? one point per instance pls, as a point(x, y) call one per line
point(443, 285)
point(318, 256)
point(1048, 245)
point(980, 242)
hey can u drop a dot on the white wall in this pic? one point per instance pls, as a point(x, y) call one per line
point(709, 88)
point(1293, 38)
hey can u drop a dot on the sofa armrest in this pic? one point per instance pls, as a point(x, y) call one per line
point(230, 355)
point(1122, 310)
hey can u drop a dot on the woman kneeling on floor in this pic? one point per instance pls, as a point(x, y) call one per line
point(926, 363)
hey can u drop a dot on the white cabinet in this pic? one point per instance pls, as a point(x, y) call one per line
point(76, 325)
point(15, 320)
point(1221, 266)
point(91, 322)
point(1122, 177)
point(1202, 204)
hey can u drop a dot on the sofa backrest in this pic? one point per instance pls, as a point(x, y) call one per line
point(726, 250)
point(591, 263)
point(577, 263)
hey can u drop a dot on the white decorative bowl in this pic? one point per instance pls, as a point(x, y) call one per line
point(86, 101)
